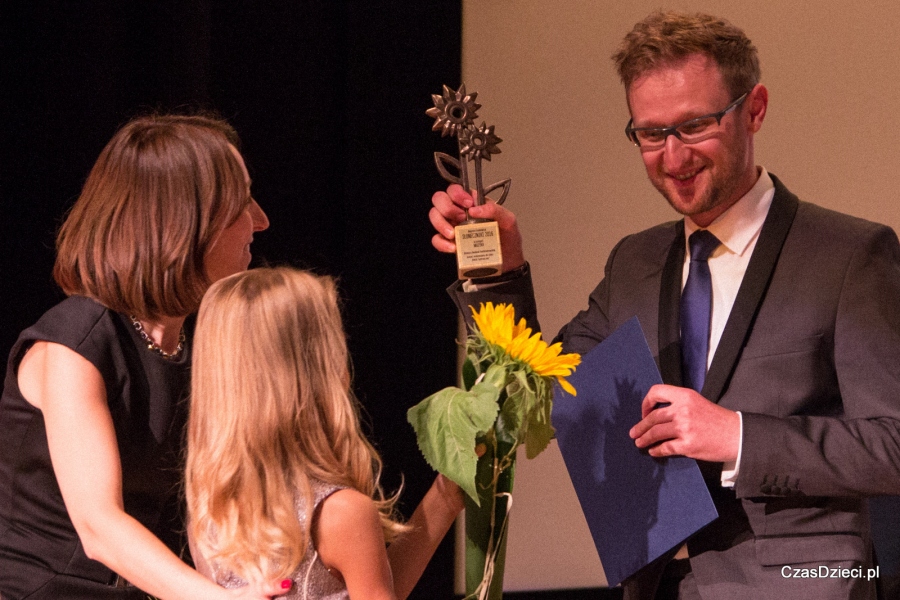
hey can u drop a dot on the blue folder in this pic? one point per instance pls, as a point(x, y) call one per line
point(637, 507)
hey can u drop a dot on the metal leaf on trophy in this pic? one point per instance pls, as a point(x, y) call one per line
point(442, 159)
point(495, 186)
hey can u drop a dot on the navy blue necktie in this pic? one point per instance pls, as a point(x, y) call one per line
point(696, 310)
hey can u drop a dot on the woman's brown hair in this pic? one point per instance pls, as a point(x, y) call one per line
point(162, 189)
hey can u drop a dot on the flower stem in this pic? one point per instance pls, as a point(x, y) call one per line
point(486, 525)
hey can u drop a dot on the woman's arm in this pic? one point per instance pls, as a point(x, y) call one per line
point(348, 536)
point(200, 563)
point(410, 553)
point(71, 394)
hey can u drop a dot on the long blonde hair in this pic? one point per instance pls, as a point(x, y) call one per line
point(271, 410)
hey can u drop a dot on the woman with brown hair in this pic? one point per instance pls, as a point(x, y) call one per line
point(92, 411)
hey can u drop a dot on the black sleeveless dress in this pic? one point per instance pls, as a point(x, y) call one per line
point(40, 553)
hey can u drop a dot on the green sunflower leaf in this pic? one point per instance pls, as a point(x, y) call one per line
point(526, 412)
point(469, 374)
point(448, 422)
point(540, 430)
point(509, 423)
point(494, 377)
point(519, 402)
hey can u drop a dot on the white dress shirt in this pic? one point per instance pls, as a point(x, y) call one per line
point(738, 229)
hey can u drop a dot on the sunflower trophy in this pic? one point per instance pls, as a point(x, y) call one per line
point(477, 240)
point(471, 433)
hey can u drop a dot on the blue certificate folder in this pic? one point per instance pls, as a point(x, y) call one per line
point(637, 507)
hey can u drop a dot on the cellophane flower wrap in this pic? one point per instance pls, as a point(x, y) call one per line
point(471, 433)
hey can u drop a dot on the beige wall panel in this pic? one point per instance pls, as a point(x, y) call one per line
point(542, 70)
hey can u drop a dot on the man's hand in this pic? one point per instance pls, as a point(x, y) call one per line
point(689, 426)
point(449, 210)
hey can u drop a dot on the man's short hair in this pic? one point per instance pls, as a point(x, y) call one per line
point(665, 37)
point(161, 191)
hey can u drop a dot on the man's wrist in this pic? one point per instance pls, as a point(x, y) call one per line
point(730, 469)
point(511, 275)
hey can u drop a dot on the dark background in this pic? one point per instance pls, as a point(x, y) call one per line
point(329, 99)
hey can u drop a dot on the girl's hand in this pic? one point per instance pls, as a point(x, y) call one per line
point(451, 493)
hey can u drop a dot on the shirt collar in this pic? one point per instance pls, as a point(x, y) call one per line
point(738, 226)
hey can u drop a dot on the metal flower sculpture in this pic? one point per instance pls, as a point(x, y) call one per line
point(454, 114)
point(479, 142)
point(454, 111)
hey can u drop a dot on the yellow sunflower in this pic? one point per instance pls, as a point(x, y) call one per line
point(497, 325)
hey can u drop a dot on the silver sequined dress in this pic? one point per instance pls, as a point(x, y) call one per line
point(312, 581)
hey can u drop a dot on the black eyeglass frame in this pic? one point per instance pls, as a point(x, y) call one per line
point(630, 132)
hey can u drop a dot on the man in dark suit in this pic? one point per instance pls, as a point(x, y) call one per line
point(776, 327)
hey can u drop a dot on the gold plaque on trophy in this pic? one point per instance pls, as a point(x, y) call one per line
point(478, 251)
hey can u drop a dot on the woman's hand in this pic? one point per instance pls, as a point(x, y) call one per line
point(261, 591)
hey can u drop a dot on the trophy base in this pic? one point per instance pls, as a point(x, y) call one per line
point(478, 250)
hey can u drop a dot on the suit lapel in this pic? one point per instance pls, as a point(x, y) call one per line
point(750, 294)
point(669, 305)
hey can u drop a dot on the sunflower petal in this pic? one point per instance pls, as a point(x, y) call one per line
point(567, 386)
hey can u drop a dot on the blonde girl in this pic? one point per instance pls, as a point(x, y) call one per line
point(280, 480)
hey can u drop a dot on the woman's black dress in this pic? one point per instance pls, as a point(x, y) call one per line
point(40, 553)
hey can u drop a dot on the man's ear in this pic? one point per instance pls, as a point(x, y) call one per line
point(757, 103)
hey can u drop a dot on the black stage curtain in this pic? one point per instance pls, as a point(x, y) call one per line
point(329, 98)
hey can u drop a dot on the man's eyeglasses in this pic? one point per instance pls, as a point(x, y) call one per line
point(689, 132)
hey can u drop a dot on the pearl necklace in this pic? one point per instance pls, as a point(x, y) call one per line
point(153, 346)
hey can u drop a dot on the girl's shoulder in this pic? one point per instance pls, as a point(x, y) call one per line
point(344, 510)
point(322, 490)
